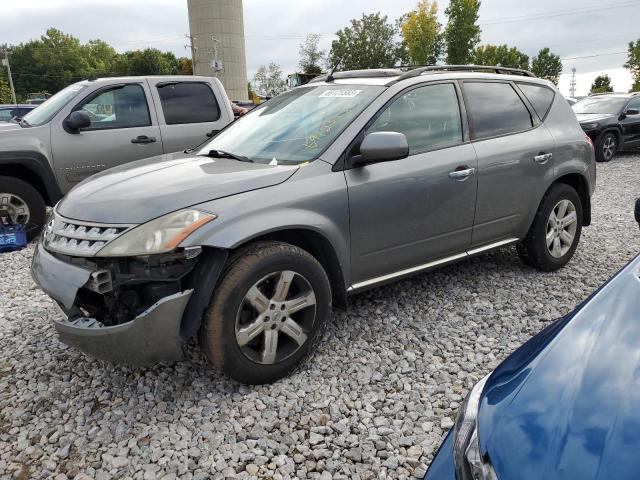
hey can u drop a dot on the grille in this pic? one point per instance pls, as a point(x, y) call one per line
point(75, 238)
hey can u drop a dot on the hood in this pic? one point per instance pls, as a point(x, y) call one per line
point(594, 117)
point(566, 404)
point(143, 190)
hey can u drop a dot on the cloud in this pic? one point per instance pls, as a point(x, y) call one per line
point(275, 28)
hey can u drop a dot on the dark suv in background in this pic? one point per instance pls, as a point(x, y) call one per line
point(612, 121)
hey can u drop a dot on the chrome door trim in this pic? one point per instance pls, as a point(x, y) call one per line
point(425, 266)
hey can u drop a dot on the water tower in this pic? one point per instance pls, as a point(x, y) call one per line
point(217, 31)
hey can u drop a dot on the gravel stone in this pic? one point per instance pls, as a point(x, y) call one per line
point(374, 401)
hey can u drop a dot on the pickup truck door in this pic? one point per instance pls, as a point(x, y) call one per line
point(122, 130)
point(631, 125)
point(190, 111)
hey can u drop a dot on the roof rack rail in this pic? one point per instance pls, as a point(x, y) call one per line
point(464, 68)
point(374, 72)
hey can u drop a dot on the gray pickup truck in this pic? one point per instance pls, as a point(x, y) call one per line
point(98, 124)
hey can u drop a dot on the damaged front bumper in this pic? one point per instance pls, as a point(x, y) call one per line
point(150, 336)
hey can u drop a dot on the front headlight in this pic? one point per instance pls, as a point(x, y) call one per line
point(468, 460)
point(157, 236)
point(589, 126)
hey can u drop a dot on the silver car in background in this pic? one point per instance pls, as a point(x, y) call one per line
point(351, 181)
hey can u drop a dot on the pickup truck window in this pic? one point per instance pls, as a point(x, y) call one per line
point(188, 102)
point(118, 107)
point(45, 112)
point(296, 126)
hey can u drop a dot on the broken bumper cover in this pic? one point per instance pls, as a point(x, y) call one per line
point(151, 337)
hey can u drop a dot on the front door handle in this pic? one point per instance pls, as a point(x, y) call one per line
point(143, 139)
point(543, 158)
point(462, 173)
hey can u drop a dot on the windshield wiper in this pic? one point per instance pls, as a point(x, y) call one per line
point(223, 154)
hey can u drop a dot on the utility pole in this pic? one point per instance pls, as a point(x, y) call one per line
point(5, 62)
point(192, 46)
point(216, 64)
point(572, 83)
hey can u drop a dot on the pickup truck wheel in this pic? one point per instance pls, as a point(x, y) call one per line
point(21, 203)
point(555, 232)
point(607, 147)
point(268, 313)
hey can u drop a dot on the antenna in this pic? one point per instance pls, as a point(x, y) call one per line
point(333, 70)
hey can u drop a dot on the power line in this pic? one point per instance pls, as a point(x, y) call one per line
point(595, 55)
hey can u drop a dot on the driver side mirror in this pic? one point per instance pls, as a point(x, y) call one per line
point(382, 147)
point(637, 211)
point(77, 120)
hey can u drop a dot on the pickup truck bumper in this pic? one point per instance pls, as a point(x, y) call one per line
point(150, 337)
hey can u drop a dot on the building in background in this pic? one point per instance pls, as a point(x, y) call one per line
point(217, 35)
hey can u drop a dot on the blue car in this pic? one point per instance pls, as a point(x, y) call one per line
point(565, 405)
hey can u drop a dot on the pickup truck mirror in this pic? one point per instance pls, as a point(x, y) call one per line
point(637, 211)
point(382, 147)
point(632, 111)
point(77, 120)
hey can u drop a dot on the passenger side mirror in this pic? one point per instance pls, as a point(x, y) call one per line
point(632, 111)
point(637, 211)
point(77, 120)
point(382, 147)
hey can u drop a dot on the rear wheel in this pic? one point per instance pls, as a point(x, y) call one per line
point(607, 147)
point(22, 204)
point(555, 232)
point(267, 314)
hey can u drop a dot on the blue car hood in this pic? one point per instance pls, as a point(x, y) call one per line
point(566, 405)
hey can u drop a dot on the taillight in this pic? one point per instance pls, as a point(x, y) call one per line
point(588, 138)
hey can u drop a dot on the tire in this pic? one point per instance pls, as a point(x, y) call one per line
point(534, 250)
point(607, 147)
point(230, 315)
point(20, 192)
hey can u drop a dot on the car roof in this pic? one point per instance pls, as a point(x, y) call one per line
point(388, 77)
point(138, 78)
point(613, 95)
point(19, 105)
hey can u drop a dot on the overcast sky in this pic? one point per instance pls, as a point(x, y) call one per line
point(274, 28)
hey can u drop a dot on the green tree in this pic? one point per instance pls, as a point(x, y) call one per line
point(310, 55)
point(500, 55)
point(367, 43)
point(149, 61)
point(633, 64)
point(5, 92)
point(268, 81)
point(547, 65)
point(185, 66)
point(462, 32)
point(602, 84)
point(421, 33)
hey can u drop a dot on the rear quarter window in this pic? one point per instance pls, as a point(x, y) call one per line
point(496, 109)
point(539, 96)
point(188, 102)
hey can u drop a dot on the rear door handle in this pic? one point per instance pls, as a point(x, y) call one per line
point(143, 139)
point(543, 158)
point(462, 174)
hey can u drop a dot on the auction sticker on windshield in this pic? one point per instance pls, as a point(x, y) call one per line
point(339, 93)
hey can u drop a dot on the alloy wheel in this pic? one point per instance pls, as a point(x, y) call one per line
point(275, 317)
point(609, 147)
point(561, 228)
point(14, 207)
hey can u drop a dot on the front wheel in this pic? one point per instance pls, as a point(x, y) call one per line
point(22, 204)
point(267, 314)
point(607, 147)
point(555, 232)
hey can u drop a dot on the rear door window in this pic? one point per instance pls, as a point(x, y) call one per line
point(188, 102)
point(539, 96)
point(495, 109)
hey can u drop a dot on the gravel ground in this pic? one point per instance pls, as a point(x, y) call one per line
point(374, 402)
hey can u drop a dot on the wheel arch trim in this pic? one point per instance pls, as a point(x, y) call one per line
point(38, 165)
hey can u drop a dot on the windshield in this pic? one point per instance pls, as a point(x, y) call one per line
point(45, 112)
point(612, 105)
point(296, 126)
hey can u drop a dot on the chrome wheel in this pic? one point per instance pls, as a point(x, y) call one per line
point(609, 147)
point(275, 317)
point(14, 207)
point(561, 228)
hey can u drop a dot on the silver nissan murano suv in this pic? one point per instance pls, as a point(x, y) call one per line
point(356, 179)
